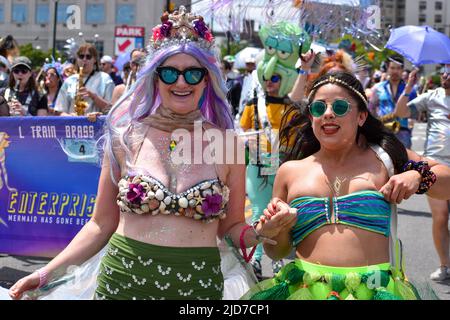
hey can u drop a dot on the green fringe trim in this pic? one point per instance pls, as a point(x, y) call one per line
point(301, 294)
point(384, 277)
point(277, 292)
point(337, 282)
point(383, 294)
point(290, 275)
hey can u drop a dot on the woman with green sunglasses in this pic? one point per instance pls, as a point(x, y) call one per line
point(339, 186)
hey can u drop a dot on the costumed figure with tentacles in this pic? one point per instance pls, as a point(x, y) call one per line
point(273, 80)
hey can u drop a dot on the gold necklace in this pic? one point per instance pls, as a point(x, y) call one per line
point(336, 185)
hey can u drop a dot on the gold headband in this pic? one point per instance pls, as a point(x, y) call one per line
point(333, 80)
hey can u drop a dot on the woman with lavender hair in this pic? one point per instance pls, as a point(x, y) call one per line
point(160, 218)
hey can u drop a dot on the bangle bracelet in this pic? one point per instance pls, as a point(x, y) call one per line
point(43, 277)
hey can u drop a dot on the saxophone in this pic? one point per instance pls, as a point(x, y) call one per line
point(80, 104)
point(13, 98)
point(390, 123)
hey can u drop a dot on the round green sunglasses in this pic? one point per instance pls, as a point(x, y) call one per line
point(192, 76)
point(340, 108)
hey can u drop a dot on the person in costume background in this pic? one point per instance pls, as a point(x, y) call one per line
point(386, 95)
point(52, 83)
point(22, 94)
point(97, 86)
point(161, 218)
point(233, 81)
point(436, 104)
point(284, 43)
point(137, 57)
point(341, 178)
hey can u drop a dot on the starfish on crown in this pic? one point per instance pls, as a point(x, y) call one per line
point(181, 26)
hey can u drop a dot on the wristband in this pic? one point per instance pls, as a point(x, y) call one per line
point(303, 72)
point(407, 94)
point(247, 258)
point(43, 277)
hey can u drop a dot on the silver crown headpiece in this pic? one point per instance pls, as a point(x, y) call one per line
point(180, 27)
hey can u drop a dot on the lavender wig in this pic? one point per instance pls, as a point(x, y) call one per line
point(143, 99)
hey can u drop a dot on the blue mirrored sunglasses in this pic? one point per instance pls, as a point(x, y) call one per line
point(192, 76)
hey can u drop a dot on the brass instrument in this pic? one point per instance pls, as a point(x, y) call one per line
point(13, 98)
point(390, 122)
point(80, 104)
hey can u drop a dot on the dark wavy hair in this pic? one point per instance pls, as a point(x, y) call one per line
point(299, 128)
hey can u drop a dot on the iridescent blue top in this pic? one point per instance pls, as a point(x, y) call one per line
point(366, 210)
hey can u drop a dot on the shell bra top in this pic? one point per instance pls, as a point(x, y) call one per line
point(143, 194)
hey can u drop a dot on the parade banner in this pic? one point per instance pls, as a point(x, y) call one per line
point(49, 172)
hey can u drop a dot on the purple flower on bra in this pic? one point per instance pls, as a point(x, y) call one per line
point(136, 193)
point(212, 204)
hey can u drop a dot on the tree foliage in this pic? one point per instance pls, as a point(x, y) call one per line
point(36, 56)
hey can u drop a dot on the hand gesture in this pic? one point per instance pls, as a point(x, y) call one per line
point(401, 186)
point(412, 79)
point(30, 282)
point(308, 60)
point(277, 217)
point(16, 108)
point(93, 116)
point(85, 93)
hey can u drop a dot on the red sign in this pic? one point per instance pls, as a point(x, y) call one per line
point(128, 38)
point(124, 46)
point(130, 32)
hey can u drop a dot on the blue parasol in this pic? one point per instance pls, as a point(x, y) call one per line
point(122, 60)
point(420, 44)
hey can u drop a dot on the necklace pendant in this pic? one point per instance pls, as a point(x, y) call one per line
point(172, 145)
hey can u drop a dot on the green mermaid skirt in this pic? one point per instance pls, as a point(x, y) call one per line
point(301, 280)
point(133, 270)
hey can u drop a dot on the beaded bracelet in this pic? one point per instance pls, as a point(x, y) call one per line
point(428, 176)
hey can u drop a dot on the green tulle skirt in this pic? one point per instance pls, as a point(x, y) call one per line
point(301, 280)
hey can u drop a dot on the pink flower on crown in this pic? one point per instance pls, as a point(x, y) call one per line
point(157, 34)
point(208, 36)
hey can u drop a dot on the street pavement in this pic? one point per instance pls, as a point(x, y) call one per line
point(414, 229)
